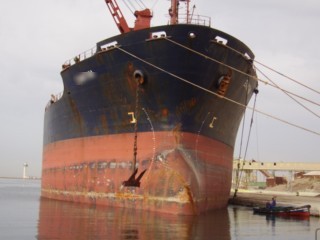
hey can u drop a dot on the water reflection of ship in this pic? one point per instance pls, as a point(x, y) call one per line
point(64, 220)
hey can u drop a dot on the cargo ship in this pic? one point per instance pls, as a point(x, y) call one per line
point(148, 119)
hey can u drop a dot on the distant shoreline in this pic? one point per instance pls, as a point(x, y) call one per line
point(31, 178)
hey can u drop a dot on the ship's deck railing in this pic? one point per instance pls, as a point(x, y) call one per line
point(54, 98)
point(195, 19)
point(84, 55)
point(183, 19)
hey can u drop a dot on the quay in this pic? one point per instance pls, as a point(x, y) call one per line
point(275, 166)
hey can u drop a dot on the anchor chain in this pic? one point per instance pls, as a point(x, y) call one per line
point(134, 181)
point(135, 144)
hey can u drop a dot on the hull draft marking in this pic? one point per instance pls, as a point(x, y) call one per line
point(133, 119)
point(213, 120)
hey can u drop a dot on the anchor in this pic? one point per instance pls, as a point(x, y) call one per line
point(133, 181)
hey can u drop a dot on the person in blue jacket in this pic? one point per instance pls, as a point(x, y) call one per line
point(273, 202)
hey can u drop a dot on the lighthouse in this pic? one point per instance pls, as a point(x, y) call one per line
point(25, 166)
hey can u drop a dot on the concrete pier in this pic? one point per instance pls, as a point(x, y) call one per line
point(251, 198)
point(275, 166)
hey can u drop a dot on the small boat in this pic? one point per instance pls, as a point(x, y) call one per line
point(302, 211)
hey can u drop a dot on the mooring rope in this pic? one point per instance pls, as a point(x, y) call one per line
point(239, 71)
point(239, 172)
point(271, 69)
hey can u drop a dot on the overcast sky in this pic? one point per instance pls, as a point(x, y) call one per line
point(38, 36)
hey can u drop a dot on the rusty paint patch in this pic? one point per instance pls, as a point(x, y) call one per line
point(223, 83)
point(177, 133)
point(186, 106)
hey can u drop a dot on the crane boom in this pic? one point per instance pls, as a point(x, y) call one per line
point(143, 17)
point(117, 16)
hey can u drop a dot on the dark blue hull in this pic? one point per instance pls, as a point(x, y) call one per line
point(101, 106)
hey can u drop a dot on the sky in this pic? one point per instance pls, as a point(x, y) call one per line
point(38, 36)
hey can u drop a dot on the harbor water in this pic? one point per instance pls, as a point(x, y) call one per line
point(24, 215)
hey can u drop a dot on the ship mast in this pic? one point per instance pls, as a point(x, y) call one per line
point(188, 12)
point(174, 11)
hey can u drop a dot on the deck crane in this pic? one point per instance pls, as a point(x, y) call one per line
point(143, 17)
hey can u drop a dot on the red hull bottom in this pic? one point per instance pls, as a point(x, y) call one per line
point(186, 174)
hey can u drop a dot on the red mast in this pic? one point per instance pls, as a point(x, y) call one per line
point(174, 11)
